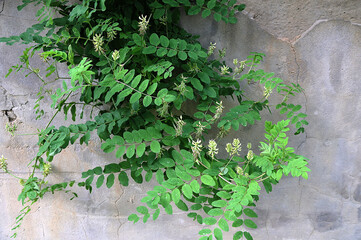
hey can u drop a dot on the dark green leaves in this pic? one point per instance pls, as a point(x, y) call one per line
point(249, 223)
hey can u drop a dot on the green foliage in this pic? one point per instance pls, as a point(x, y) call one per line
point(137, 69)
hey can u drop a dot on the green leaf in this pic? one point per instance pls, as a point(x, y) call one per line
point(194, 10)
point(200, 2)
point(206, 13)
point(166, 162)
point(218, 234)
point(176, 195)
point(217, 17)
point(156, 214)
point(169, 209)
point(249, 223)
point(140, 149)
point(161, 52)
point(215, 212)
point(197, 84)
point(142, 210)
point(211, 4)
point(135, 97)
point(182, 206)
point(222, 223)
point(120, 152)
point(208, 180)
point(237, 223)
point(204, 77)
point(110, 180)
point(149, 50)
point(209, 220)
point(147, 101)
point(143, 85)
point(219, 203)
point(130, 151)
point(195, 186)
point(205, 231)
point(154, 39)
point(182, 55)
point(164, 41)
point(250, 213)
point(137, 39)
point(155, 146)
point(133, 218)
point(159, 176)
point(123, 179)
point(187, 191)
point(148, 176)
point(247, 235)
point(238, 235)
point(100, 181)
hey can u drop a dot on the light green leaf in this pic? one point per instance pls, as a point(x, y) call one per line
point(155, 146)
point(142, 210)
point(130, 151)
point(156, 214)
point(187, 191)
point(147, 101)
point(176, 195)
point(215, 212)
point(195, 186)
point(208, 180)
point(222, 223)
point(219, 203)
point(140, 149)
point(209, 220)
point(218, 234)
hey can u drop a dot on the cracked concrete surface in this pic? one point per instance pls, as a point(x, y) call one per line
point(313, 43)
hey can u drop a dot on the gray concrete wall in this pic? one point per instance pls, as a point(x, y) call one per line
point(313, 43)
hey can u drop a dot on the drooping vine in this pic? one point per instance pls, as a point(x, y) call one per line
point(136, 69)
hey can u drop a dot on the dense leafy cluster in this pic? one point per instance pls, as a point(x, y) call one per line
point(137, 68)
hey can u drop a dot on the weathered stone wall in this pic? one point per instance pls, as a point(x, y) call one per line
point(314, 43)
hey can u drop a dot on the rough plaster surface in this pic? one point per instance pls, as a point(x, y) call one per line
point(323, 56)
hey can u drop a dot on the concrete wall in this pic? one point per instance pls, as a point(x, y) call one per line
point(314, 43)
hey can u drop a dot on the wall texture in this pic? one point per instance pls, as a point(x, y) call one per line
point(314, 43)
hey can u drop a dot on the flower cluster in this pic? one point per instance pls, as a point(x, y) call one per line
point(267, 92)
point(225, 70)
point(199, 129)
point(46, 169)
point(181, 88)
point(98, 43)
point(179, 126)
point(219, 110)
point(234, 148)
point(115, 55)
point(212, 148)
point(143, 24)
point(111, 34)
point(196, 149)
point(211, 48)
point(3, 163)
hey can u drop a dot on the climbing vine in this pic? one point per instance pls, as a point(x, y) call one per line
point(135, 68)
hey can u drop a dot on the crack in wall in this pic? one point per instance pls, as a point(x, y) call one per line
point(2, 5)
